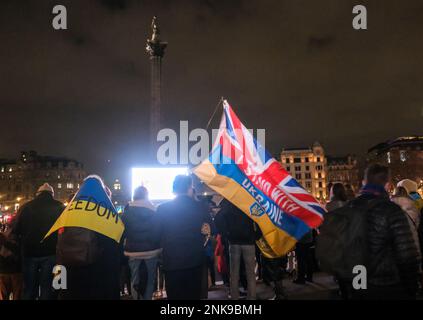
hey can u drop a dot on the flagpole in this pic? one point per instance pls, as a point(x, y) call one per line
point(214, 113)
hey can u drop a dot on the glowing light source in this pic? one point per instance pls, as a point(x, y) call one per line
point(158, 181)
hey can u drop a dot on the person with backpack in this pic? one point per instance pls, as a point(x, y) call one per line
point(33, 221)
point(91, 259)
point(141, 243)
point(374, 233)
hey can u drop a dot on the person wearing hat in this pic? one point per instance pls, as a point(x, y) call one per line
point(34, 219)
point(410, 187)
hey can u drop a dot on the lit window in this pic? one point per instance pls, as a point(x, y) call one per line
point(69, 185)
point(10, 169)
point(388, 157)
point(403, 156)
point(2, 169)
point(59, 186)
point(116, 186)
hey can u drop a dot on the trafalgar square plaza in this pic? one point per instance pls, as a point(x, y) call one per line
point(223, 153)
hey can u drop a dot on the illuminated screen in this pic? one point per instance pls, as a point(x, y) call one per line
point(158, 181)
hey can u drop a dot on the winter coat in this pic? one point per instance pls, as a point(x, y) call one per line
point(181, 221)
point(237, 227)
point(141, 227)
point(413, 216)
point(393, 257)
point(33, 221)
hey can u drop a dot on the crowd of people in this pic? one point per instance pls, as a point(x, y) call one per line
point(177, 247)
point(391, 232)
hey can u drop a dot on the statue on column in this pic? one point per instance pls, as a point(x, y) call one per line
point(154, 46)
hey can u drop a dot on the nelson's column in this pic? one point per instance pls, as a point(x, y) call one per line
point(155, 49)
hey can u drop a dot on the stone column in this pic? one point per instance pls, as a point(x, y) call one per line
point(155, 49)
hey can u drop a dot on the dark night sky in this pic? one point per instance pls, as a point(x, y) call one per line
point(294, 67)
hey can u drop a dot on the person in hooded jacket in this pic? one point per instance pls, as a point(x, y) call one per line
point(142, 243)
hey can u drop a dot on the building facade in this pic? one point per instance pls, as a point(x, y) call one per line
point(21, 177)
point(309, 167)
point(404, 157)
point(344, 170)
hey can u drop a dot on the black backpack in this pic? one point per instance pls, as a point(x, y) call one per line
point(77, 247)
point(342, 242)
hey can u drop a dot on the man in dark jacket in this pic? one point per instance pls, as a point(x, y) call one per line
point(142, 243)
point(34, 220)
point(241, 234)
point(181, 223)
point(393, 260)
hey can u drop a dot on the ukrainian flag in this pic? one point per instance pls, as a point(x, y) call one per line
point(91, 209)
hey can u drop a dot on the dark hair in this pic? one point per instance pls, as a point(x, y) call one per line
point(338, 192)
point(181, 184)
point(140, 193)
point(376, 174)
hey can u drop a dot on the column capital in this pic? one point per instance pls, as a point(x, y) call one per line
point(155, 47)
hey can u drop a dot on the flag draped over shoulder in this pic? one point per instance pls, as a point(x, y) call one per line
point(91, 209)
point(243, 172)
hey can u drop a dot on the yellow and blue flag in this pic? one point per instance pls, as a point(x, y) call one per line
point(241, 170)
point(91, 209)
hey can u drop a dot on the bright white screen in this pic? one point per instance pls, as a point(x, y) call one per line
point(158, 181)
